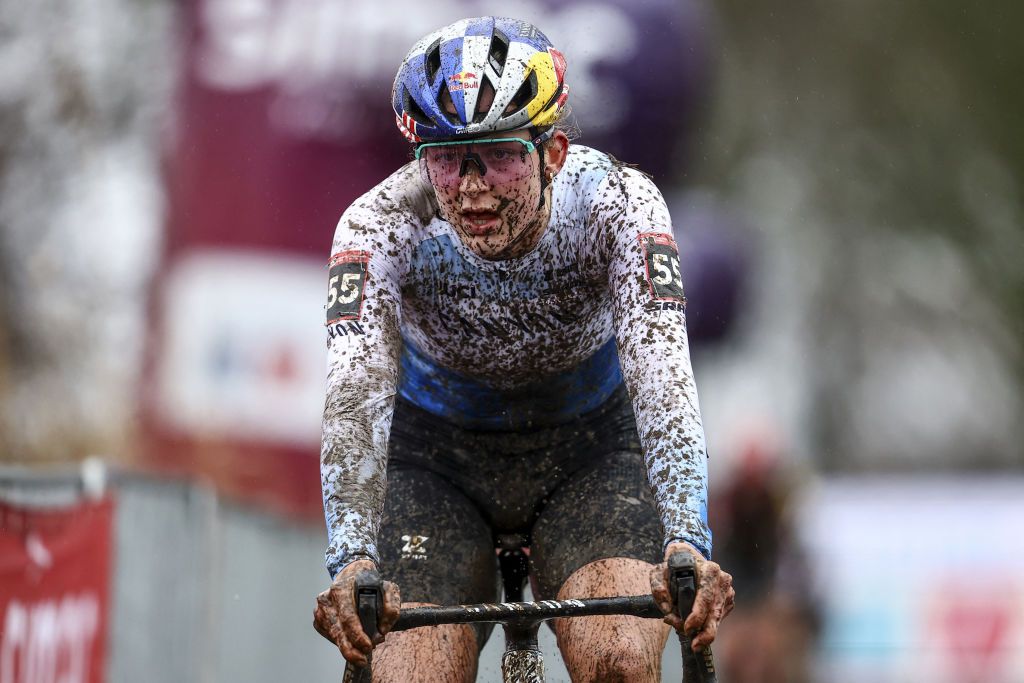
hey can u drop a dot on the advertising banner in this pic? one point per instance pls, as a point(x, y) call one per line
point(920, 579)
point(55, 569)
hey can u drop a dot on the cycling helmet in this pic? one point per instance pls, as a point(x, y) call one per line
point(456, 65)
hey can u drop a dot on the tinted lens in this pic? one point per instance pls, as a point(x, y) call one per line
point(502, 161)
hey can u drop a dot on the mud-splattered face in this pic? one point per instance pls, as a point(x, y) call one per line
point(496, 218)
point(501, 219)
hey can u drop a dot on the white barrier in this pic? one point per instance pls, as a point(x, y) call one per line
point(922, 578)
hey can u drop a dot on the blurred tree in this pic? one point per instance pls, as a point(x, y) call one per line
point(77, 178)
point(879, 145)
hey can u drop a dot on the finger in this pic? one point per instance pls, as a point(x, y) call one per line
point(674, 621)
point(706, 635)
point(350, 650)
point(730, 602)
point(659, 582)
point(724, 598)
point(331, 628)
point(321, 624)
point(702, 606)
point(351, 654)
point(352, 641)
point(325, 620)
point(659, 589)
point(392, 607)
point(354, 634)
point(710, 594)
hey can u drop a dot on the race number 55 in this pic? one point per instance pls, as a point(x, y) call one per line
point(662, 260)
point(351, 285)
point(346, 285)
point(666, 270)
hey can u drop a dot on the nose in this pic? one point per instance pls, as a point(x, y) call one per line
point(469, 161)
point(471, 181)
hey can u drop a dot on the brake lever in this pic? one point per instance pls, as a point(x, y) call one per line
point(369, 595)
point(682, 585)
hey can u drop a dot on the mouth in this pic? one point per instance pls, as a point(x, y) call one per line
point(478, 223)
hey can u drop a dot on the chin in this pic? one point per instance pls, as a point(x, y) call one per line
point(484, 247)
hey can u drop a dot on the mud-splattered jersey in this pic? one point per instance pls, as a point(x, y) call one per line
point(508, 344)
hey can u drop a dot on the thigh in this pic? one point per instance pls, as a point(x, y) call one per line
point(603, 512)
point(433, 541)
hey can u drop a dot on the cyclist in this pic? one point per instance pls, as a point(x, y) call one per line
point(508, 355)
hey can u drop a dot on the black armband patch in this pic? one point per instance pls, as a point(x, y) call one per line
point(346, 285)
point(661, 256)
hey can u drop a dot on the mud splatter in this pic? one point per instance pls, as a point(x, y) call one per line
point(507, 325)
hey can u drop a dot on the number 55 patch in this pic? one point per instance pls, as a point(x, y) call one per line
point(346, 285)
point(662, 259)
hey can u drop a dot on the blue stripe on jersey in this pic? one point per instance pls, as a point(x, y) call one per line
point(474, 405)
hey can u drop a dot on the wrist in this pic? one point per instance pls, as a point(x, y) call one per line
point(356, 565)
point(678, 546)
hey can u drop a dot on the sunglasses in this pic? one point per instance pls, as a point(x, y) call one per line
point(499, 159)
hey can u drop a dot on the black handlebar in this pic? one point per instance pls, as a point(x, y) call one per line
point(369, 594)
point(504, 612)
point(682, 584)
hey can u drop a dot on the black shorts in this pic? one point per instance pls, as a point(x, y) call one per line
point(578, 492)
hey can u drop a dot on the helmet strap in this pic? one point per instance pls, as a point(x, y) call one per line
point(539, 139)
point(543, 179)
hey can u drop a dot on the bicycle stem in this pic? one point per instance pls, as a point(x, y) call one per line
point(523, 661)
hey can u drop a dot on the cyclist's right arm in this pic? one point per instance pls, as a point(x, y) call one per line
point(368, 258)
point(363, 342)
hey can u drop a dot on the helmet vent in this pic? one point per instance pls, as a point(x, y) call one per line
point(498, 52)
point(413, 109)
point(486, 94)
point(554, 98)
point(527, 91)
point(433, 60)
point(444, 99)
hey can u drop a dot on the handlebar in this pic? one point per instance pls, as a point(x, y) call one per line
point(369, 596)
point(634, 605)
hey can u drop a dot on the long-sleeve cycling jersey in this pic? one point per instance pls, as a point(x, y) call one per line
point(508, 344)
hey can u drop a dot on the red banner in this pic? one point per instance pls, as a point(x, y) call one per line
point(54, 586)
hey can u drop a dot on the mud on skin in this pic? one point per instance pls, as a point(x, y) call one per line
point(508, 324)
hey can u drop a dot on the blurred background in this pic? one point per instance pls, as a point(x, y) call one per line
point(845, 183)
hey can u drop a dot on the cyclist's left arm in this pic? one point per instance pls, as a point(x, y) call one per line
point(650, 328)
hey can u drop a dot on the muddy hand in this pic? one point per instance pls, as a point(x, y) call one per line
point(336, 617)
point(714, 600)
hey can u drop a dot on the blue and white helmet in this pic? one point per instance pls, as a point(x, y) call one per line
point(458, 63)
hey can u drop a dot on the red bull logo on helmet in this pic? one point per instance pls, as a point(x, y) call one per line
point(464, 80)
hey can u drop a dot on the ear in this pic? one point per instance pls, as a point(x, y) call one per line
point(555, 151)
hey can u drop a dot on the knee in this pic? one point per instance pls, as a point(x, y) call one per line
point(615, 657)
point(627, 659)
